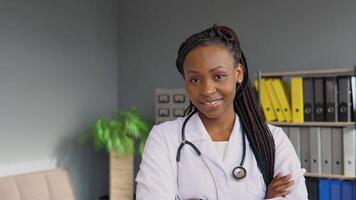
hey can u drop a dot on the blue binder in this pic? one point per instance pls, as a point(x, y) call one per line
point(354, 190)
point(324, 189)
point(346, 188)
point(335, 189)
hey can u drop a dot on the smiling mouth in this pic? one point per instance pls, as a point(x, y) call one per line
point(212, 103)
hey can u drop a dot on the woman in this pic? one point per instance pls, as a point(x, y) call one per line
point(223, 149)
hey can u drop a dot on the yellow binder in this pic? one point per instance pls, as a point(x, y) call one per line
point(282, 98)
point(275, 103)
point(297, 99)
point(265, 102)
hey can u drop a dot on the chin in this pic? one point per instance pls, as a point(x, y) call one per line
point(212, 114)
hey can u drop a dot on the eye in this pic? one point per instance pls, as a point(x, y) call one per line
point(220, 77)
point(194, 80)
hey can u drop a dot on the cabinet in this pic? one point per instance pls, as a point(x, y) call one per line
point(326, 148)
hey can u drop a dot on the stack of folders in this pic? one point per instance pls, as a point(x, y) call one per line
point(331, 189)
point(308, 99)
point(275, 100)
point(329, 98)
point(325, 150)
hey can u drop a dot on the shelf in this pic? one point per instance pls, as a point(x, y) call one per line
point(311, 73)
point(330, 176)
point(318, 124)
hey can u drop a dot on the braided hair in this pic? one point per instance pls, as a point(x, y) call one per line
point(245, 105)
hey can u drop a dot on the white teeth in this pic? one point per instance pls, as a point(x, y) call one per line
point(213, 102)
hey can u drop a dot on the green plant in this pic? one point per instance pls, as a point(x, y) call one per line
point(118, 133)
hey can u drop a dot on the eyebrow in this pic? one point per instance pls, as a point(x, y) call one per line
point(211, 70)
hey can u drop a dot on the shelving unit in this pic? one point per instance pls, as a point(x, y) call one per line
point(318, 124)
point(306, 73)
point(329, 176)
point(322, 124)
point(310, 73)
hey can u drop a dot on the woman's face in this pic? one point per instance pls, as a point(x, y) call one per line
point(211, 74)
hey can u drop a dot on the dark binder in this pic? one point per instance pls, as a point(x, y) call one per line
point(344, 99)
point(313, 188)
point(331, 99)
point(308, 99)
point(319, 99)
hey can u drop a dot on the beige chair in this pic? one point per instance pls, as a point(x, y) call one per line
point(45, 185)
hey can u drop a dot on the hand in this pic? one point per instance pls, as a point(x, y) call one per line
point(279, 186)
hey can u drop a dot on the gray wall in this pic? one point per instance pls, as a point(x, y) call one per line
point(58, 72)
point(58, 62)
point(276, 35)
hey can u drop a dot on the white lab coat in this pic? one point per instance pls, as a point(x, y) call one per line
point(209, 176)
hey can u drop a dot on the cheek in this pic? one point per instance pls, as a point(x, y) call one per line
point(230, 90)
point(190, 91)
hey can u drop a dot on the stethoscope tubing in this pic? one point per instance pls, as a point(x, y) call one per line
point(185, 141)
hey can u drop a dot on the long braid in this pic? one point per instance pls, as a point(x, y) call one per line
point(245, 104)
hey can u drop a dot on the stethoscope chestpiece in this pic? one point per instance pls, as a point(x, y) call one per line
point(239, 173)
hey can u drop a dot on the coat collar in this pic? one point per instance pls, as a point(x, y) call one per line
point(196, 133)
point(195, 130)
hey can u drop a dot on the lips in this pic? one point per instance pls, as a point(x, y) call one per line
point(211, 103)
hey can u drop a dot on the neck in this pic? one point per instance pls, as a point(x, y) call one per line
point(219, 128)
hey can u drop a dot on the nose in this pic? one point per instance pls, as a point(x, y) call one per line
point(208, 88)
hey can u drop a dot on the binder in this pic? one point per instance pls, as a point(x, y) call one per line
point(335, 189)
point(319, 99)
point(344, 99)
point(353, 94)
point(294, 135)
point(349, 134)
point(266, 103)
point(331, 99)
point(285, 130)
point(315, 154)
point(275, 103)
point(305, 148)
point(308, 98)
point(326, 160)
point(313, 188)
point(354, 190)
point(297, 105)
point(324, 189)
point(337, 151)
point(347, 190)
point(282, 97)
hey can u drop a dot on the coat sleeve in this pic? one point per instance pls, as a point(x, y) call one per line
point(156, 179)
point(287, 161)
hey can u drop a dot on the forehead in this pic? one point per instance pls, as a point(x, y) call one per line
point(208, 56)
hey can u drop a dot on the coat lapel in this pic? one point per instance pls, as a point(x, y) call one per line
point(197, 134)
point(234, 147)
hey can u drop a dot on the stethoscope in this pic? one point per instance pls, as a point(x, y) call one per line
point(239, 172)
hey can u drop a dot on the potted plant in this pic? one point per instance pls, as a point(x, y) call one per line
point(117, 136)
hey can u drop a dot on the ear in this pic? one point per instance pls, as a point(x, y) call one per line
point(239, 73)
